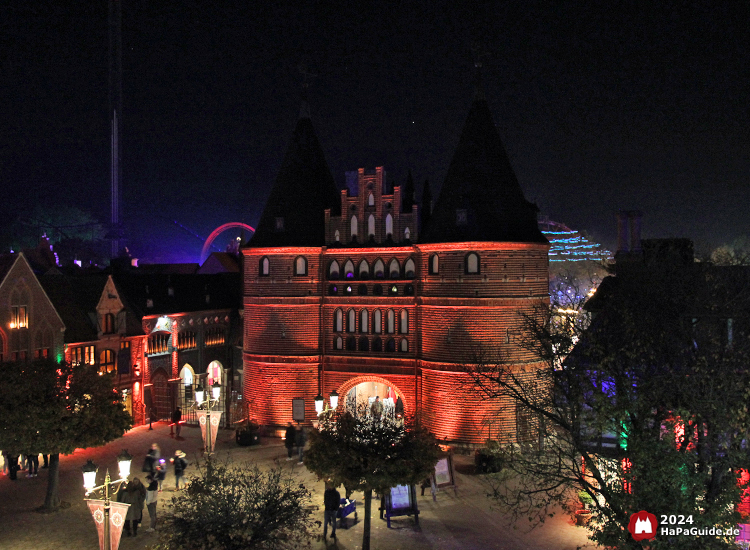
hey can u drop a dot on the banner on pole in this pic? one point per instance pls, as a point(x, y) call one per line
point(97, 511)
point(117, 513)
point(215, 421)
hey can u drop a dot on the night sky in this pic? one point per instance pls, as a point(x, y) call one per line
point(601, 106)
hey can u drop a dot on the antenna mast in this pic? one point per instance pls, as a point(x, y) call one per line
point(115, 109)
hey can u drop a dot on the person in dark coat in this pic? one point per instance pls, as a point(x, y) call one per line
point(13, 466)
point(180, 464)
point(32, 459)
point(300, 440)
point(290, 440)
point(331, 502)
point(133, 493)
point(176, 419)
point(152, 459)
point(152, 497)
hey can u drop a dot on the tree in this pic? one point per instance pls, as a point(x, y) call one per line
point(238, 508)
point(735, 253)
point(369, 454)
point(643, 408)
point(53, 408)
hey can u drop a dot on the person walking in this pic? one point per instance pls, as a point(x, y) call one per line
point(13, 466)
point(300, 440)
point(176, 419)
point(133, 493)
point(161, 472)
point(331, 503)
point(179, 468)
point(152, 459)
point(152, 496)
point(376, 409)
point(32, 459)
point(290, 440)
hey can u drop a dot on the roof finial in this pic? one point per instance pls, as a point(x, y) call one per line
point(307, 76)
point(478, 53)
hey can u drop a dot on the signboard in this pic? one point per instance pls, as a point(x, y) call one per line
point(444, 476)
point(400, 501)
point(298, 410)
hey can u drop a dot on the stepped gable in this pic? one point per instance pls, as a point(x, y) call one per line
point(481, 199)
point(295, 212)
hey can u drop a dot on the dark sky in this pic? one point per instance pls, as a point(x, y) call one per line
point(601, 106)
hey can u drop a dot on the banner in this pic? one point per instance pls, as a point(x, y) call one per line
point(117, 513)
point(215, 421)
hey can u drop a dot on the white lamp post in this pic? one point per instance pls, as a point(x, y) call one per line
point(89, 483)
point(334, 399)
point(319, 404)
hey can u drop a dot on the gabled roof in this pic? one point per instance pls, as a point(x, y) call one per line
point(481, 199)
point(75, 299)
point(303, 190)
point(220, 262)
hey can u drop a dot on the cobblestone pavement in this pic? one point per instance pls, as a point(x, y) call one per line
point(464, 520)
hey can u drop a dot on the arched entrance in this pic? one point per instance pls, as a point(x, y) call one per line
point(215, 373)
point(358, 394)
point(186, 397)
point(161, 397)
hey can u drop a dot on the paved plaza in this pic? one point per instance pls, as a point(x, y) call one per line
point(462, 521)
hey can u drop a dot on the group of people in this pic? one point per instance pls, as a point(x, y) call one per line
point(295, 438)
point(28, 462)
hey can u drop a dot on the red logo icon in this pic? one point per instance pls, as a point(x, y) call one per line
point(643, 525)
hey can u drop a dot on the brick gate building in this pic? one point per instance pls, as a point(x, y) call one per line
point(359, 289)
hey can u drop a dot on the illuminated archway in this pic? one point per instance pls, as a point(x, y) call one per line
point(380, 387)
point(216, 232)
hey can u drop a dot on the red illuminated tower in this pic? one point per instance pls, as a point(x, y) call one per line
point(349, 294)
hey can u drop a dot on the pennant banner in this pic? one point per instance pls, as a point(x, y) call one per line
point(117, 513)
point(97, 511)
point(215, 421)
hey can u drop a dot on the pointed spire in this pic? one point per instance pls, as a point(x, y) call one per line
point(426, 210)
point(407, 194)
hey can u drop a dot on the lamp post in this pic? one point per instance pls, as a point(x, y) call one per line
point(211, 399)
point(320, 403)
point(89, 483)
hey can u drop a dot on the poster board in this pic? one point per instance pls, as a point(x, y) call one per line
point(298, 410)
point(444, 475)
point(401, 501)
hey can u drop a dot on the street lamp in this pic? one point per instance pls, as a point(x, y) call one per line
point(100, 509)
point(320, 402)
point(204, 417)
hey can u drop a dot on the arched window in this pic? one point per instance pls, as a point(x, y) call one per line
point(472, 262)
point(338, 321)
point(108, 323)
point(337, 236)
point(407, 234)
point(300, 265)
point(354, 225)
point(106, 360)
point(370, 200)
point(389, 225)
point(434, 264)
point(264, 266)
point(364, 344)
point(364, 321)
point(403, 325)
point(377, 322)
point(409, 269)
point(362, 290)
point(390, 323)
point(404, 345)
point(390, 345)
point(349, 270)
point(379, 269)
point(333, 270)
point(392, 290)
point(351, 344)
point(351, 321)
point(338, 343)
point(363, 270)
point(333, 290)
point(394, 270)
point(371, 226)
point(377, 344)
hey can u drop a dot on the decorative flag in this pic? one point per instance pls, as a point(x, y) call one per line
point(117, 513)
point(215, 421)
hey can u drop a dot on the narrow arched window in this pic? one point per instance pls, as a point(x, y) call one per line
point(370, 200)
point(434, 264)
point(363, 270)
point(390, 323)
point(364, 344)
point(333, 270)
point(388, 225)
point(404, 346)
point(390, 345)
point(403, 325)
point(351, 321)
point(364, 321)
point(338, 343)
point(379, 269)
point(108, 324)
point(300, 265)
point(394, 270)
point(377, 322)
point(472, 262)
point(409, 269)
point(337, 236)
point(264, 266)
point(354, 225)
point(371, 226)
point(407, 234)
point(338, 321)
point(377, 344)
point(349, 270)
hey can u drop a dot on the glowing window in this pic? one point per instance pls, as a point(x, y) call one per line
point(390, 323)
point(404, 345)
point(403, 327)
point(364, 321)
point(363, 270)
point(394, 269)
point(371, 226)
point(354, 225)
point(300, 265)
point(377, 322)
point(389, 225)
point(108, 323)
point(338, 343)
point(106, 361)
point(351, 321)
point(379, 269)
point(472, 262)
point(349, 269)
point(333, 270)
point(407, 234)
point(409, 269)
point(264, 266)
point(338, 321)
point(337, 236)
point(434, 264)
point(370, 200)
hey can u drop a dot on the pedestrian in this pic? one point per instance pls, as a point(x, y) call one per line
point(300, 440)
point(161, 472)
point(13, 466)
point(46, 461)
point(176, 419)
point(331, 503)
point(290, 440)
point(152, 495)
point(32, 459)
point(376, 409)
point(152, 459)
point(133, 493)
point(179, 468)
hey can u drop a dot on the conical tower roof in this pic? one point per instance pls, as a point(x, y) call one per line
point(295, 212)
point(481, 199)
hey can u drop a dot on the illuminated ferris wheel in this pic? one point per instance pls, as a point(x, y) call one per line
point(232, 232)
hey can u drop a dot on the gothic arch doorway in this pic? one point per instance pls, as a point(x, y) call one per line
point(186, 397)
point(161, 395)
point(358, 394)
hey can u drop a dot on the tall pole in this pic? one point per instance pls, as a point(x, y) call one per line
point(115, 109)
point(107, 542)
